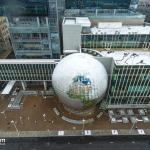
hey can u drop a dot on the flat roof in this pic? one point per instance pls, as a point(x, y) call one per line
point(109, 28)
point(122, 30)
point(70, 21)
point(128, 57)
point(83, 21)
point(110, 25)
point(29, 61)
point(120, 58)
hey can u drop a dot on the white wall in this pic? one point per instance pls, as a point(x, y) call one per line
point(71, 37)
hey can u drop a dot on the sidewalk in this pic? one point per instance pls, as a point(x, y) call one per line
point(69, 133)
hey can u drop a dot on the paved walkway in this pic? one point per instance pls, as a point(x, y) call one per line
point(16, 104)
point(69, 133)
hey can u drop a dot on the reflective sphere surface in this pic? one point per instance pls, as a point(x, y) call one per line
point(80, 81)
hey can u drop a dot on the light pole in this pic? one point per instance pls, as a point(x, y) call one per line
point(133, 126)
point(83, 123)
point(44, 115)
point(3, 112)
point(14, 124)
point(21, 120)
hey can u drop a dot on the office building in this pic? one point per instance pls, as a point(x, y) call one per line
point(4, 35)
point(80, 32)
point(27, 70)
point(144, 7)
point(128, 76)
point(126, 16)
point(103, 4)
point(106, 11)
point(34, 27)
point(130, 79)
point(134, 4)
point(35, 30)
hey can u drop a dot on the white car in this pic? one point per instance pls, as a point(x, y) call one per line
point(9, 105)
point(111, 113)
point(125, 120)
point(113, 120)
point(141, 112)
point(145, 119)
point(122, 112)
point(12, 99)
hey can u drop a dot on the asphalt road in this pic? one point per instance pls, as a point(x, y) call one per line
point(75, 144)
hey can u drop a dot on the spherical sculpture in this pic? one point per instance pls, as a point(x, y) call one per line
point(80, 81)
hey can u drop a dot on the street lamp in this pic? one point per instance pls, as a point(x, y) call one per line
point(14, 124)
point(133, 126)
point(21, 120)
point(83, 123)
point(3, 112)
point(44, 115)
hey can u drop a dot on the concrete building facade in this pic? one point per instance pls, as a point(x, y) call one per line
point(5, 43)
point(34, 27)
point(126, 16)
point(144, 7)
point(106, 35)
point(103, 4)
point(128, 76)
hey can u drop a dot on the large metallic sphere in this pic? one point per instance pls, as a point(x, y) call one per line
point(80, 81)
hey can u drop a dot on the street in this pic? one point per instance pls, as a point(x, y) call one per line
point(81, 143)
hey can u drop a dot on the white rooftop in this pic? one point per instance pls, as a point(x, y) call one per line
point(120, 58)
point(128, 57)
point(29, 61)
point(69, 21)
point(70, 51)
point(109, 25)
point(121, 30)
point(83, 21)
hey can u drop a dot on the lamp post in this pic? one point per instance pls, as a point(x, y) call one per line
point(44, 115)
point(83, 124)
point(133, 126)
point(21, 120)
point(14, 124)
point(3, 112)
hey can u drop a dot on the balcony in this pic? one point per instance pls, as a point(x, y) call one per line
point(28, 22)
point(28, 29)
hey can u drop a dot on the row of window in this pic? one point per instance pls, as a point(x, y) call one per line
point(116, 37)
point(128, 82)
point(105, 4)
point(26, 71)
point(130, 100)
point(115, 41)
point(29, 36)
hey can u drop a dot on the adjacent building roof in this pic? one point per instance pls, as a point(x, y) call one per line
point(120, 58)
point(109, 25)
point(122, 30)
point(109, 28)
point(29, 61)
point(83, 21)
point(128, 57)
